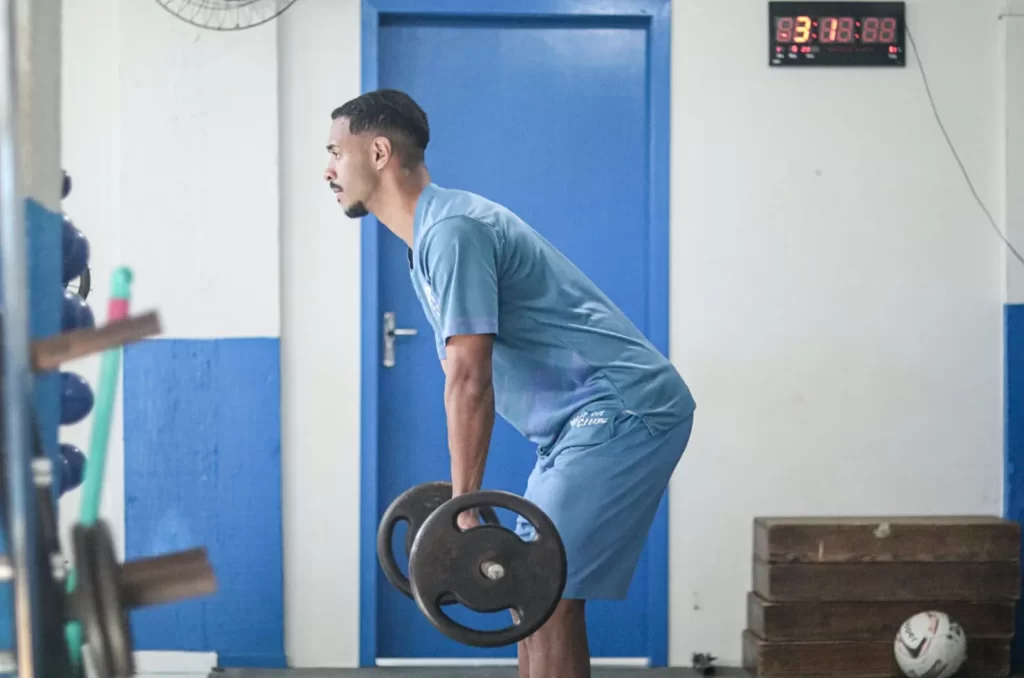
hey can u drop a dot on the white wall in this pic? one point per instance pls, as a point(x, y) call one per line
point(90, 122)
point(836, 292)
point(1014, 152)
point(38, 48)
point(319, 70)
point(171, 139)
point(179, 161)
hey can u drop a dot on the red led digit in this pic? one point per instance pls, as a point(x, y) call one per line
point(870, 32)
point(844, 33)
point(829, 25)
point(784, 29)
point(888, 30)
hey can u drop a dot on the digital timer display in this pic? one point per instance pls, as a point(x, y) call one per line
point(837, 33)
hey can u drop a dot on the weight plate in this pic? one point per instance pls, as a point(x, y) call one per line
point(487, 569)
point(107, 574)
point(86, 602)
point(413, 506)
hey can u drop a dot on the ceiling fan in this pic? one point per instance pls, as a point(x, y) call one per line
point(226, 15)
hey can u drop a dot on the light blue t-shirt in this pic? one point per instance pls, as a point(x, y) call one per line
point(562, 349)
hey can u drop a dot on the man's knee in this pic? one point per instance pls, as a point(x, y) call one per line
point(568, 608)
point(568, 619)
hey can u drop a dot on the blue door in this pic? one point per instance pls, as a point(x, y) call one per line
point(550, 116)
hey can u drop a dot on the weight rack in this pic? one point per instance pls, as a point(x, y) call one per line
point(56, 611)
point(17, 391)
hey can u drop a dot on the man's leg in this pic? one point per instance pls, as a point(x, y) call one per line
point(559, 649)
point(602, 498)
point(522, 651)
point(526, 532)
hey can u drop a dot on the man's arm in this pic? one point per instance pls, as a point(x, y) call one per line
point(461, 258)
point(469, 403)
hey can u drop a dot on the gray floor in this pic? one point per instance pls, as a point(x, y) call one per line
point(459, 673)
point(465, 673)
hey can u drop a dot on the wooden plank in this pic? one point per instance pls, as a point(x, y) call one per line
point(50, 353)
point(886, 539)
point(989, 657)
point(868, 620)
point(972, 581)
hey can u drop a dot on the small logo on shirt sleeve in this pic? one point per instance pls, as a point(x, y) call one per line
point(435, 308)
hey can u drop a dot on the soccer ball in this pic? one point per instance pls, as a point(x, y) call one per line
point(930, 645)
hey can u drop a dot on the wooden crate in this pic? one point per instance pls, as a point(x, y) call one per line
point(868, 620)
point(829, 593)
point(881, 581)
point(988, 657)
point(886, 539)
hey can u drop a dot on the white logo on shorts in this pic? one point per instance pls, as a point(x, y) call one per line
point(588, 419)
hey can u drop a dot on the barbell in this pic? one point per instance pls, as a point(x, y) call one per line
point(486, 568)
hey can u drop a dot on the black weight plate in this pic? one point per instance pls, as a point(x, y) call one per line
point(447, 561)
point(86, 602)
point(107, 574)
point(413, 506)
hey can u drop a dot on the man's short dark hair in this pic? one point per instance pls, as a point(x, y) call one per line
point(392, 114)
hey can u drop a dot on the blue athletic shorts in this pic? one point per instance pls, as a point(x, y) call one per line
point(601, 486)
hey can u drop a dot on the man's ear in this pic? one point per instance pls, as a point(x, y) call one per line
point(382, 151)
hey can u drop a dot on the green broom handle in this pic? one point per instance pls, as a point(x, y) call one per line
point(110, 362)
point(95, 465)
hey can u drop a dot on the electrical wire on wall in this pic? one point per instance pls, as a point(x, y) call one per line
point(956, 156)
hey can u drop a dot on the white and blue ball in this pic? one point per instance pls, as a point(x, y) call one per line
point(930, 645)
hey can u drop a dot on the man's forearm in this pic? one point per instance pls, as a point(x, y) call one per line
point(470, 407)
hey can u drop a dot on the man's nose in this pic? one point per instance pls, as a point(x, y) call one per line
point(329, 175)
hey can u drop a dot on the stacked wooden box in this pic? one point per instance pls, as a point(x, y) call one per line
point(830, 593)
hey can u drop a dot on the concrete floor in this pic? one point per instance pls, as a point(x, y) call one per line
point(458, 673)
point(466, 673)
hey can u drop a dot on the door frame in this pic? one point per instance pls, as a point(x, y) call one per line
point(658, 14)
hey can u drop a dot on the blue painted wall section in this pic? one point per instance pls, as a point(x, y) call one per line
point(1013, 485)
point(202, 427)
point(44, 281)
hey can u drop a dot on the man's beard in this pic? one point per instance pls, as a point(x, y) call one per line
point(356, 211)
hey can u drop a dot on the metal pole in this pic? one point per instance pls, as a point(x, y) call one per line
point(17, 373)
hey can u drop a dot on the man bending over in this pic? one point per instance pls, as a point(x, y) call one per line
point(522, 332)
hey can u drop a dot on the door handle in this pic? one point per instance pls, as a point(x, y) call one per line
point(390, 332)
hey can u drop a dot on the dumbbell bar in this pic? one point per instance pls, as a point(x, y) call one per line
point(106, 591)
point(487, 568)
